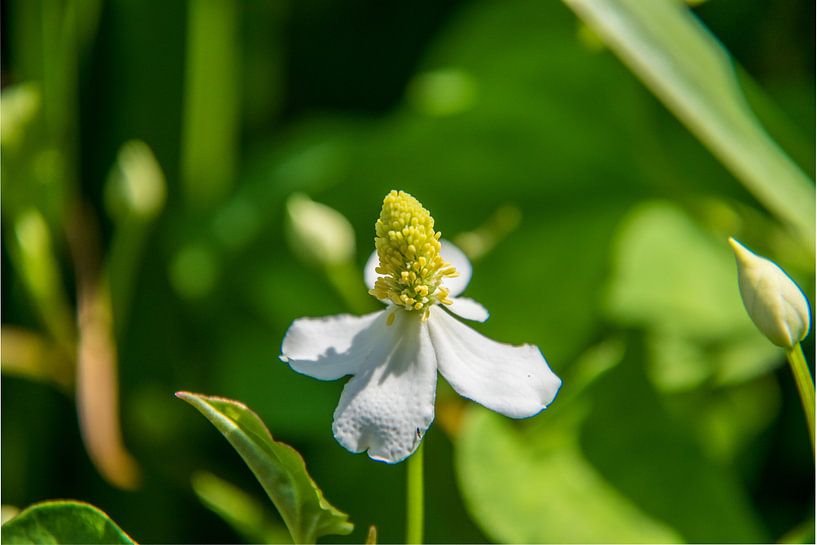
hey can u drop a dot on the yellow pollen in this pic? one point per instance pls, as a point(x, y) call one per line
point(409, 252)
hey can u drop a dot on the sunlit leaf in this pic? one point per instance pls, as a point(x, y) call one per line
point(609, 465)
point(63, 522)
point(539, 488)
point(678, 282)
point(278, 467)
point(685, 66)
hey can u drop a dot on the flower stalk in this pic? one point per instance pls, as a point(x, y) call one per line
point(805, 386)
point(415, 501)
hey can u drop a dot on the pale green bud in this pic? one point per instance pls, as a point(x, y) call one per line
point(317, 233)
point(19, 105)
point(37, 257)
point(136, 184)
point(774, 302)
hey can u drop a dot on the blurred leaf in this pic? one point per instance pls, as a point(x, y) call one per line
point(727, 419)
point(693, 75)
point(539, 488)
point(278, 467)
point(657, 462)
point(679, 283)
point(63, 522)
point(240, 510)
point(606, 463)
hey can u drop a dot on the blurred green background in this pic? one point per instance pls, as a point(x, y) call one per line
point(597, 224)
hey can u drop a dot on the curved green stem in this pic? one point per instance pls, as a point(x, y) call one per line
point(805, 385)
point(414, 498)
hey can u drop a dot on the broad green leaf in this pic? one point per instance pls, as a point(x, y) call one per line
point(539, 488)
point(63, 522)
point(607, 465)
point(278, 467)
point(658, 462)
point(685, 66)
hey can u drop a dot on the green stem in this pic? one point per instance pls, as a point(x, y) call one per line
point(122, 265)
point(348, 283)
point(212, 102)
point(414, 498)
point(805, 385)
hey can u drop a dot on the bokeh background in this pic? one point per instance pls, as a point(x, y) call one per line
point(597, 225)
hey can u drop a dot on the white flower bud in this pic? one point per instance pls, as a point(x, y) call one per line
point(317, 233)
point(774, 302)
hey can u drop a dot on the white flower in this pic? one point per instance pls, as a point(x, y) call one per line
point(774, 302)
point(394, 354)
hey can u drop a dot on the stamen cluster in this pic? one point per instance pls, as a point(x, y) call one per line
point(409, 253)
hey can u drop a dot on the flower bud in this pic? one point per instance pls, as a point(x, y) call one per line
point(136, 184)
point(318, 234)
point(774, 302)
point(19, 105)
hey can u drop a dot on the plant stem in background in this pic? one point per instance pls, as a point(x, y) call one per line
point(348, 284)
point(211, 116)
point(97, 381)
point(805, 385)
point(414, 498)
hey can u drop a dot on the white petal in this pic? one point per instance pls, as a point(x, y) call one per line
point(450, 253)
point(513, 380)
point(467, 308)
point(328, 348)
point(387, 407)
point(369, 273)
point(457, 258)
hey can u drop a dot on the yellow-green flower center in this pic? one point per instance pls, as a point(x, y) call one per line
point(409, 252)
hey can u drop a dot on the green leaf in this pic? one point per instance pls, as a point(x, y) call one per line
point(685, 66)
point(607, 464)
point(278, 467)
point(63, 522)
point(656, 460)
point(539, 488)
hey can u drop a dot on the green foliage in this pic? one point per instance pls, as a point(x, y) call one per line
point(278, 467)
point(689, 70)
point(615, 240)
point(677, 281)
point(63, 522)
point(538, 488)
point(597, 468)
